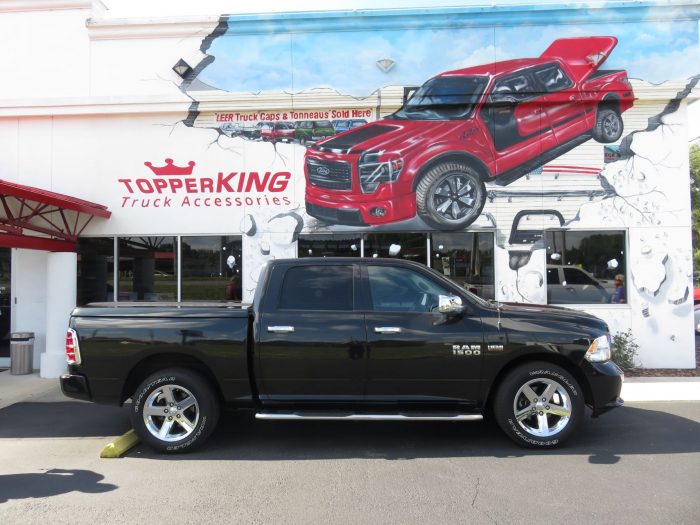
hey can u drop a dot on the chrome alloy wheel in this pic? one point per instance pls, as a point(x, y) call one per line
point(542, 407)
point(171, 413)
point(611, 125)
point(454, 197)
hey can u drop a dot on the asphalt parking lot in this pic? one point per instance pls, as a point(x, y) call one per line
point(637, 464)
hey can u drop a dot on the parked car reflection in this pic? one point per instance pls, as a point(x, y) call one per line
point(573, 285)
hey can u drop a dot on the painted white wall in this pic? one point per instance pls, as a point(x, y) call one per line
point(60, 301)
point(29, 302)
point(46, 50)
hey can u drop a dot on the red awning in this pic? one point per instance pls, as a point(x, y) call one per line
point(43, 220)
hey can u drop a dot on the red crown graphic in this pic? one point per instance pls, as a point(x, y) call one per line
point(171, 169)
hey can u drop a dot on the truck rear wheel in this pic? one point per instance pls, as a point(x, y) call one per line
point(450, 196)
point(608, 125)
point(174, 410)
point(539, 405)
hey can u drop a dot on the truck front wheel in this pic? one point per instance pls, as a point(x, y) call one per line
point(174, 410)
point(538, 405)
point(450, 196)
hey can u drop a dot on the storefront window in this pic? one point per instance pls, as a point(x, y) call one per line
point(211, 268)
point(148, 269)
point(411, 246)
point(325, 245)
point(586, 267)
point(95, 281)
point(466, 259)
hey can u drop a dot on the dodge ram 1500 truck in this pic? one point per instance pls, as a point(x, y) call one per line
point(348, 339)
point(462, 128)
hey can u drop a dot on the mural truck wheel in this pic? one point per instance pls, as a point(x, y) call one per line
point(450, 196)
point(608, 125)
point(174, 410)
point(538, 405)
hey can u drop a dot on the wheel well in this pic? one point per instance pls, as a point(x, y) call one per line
point(555, 359)
point(472, 161)
point(610, 101)
point(154, 363)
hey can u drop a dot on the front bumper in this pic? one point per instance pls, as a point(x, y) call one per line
point(75, 386)
point(605, 380)
point(344, 211)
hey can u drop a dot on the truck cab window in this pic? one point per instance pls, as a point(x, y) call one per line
point(317, 288)
point(402, 290)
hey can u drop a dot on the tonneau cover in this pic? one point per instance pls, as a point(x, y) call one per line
point(583, 55)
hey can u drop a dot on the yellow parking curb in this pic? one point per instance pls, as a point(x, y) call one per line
point(120, 446)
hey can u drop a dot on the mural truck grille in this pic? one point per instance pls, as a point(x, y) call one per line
point(331, 175)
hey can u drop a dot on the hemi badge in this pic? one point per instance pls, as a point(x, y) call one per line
point(494, 348)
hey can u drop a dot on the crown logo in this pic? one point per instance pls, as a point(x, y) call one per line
point(171, 169)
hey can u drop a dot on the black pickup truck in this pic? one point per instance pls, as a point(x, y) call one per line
point(348, 339)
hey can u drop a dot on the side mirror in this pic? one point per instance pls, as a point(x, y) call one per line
point(450, 304)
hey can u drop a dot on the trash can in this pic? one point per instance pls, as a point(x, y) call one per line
point(21, 353)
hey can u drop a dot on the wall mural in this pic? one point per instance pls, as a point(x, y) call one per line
point(512, 129)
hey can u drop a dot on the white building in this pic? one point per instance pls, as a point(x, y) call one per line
point(163, 123)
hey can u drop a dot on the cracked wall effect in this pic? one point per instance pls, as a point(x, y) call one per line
point(640, 192)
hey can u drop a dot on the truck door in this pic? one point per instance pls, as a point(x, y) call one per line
point(562, 102)
point(516, 120)
point(309, 340)
point(415, 353)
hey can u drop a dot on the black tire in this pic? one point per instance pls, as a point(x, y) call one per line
point(608, 125)
point(552, 419)
point(450, 196)
point(184, 426)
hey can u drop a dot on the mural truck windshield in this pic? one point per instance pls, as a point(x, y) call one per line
point(443, 98)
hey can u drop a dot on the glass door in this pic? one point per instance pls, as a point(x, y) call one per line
point(5, 307)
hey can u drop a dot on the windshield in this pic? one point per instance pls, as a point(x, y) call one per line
point(443, 98)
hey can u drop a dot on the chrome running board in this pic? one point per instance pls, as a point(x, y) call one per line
point(365, 417)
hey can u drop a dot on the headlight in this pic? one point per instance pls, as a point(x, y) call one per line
point(374, 171)
point(599, 350)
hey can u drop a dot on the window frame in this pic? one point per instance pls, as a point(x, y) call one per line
point(625, 272)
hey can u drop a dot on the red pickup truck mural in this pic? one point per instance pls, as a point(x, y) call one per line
point(462, 128)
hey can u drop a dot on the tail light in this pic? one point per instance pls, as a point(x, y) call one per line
point(72, 348)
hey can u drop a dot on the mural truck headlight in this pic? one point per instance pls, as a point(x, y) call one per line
point(375, 169)
point(599, 350)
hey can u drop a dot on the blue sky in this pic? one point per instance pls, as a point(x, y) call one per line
point(346, 59)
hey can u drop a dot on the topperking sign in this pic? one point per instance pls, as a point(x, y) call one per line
point(173, 186)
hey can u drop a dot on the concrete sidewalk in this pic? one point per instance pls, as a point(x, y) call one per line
point(16, 389)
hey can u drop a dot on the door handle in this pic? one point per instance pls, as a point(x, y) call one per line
point(387, 330)
point(280, 329)
point(572, 98)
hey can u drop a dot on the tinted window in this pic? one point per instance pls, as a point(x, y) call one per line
point(95, 271)
point(147, 269)
point(411, 246)
point(317, 288)
point(512, 88)
point(323, 124)
point(576, 276)
point(552, 276)
point(325, 245)
point(402, 290)
point(553, 78)
point(466, 259)
point(593, 265)
point(211, 268)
